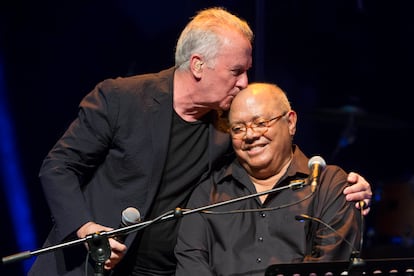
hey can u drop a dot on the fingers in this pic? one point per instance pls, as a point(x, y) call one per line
point(353, 178)
point(359, 188)
point(366, 211)
point(113, 260)
point(359, 191)
point(118, 251)
point(366, 207)
point(90, 228)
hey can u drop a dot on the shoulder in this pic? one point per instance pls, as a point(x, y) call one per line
point(335, 172)
point(151, 82)
point(333, 179)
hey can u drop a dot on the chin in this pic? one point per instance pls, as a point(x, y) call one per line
point(256, 165)
point(225, 104)
point(225, 107)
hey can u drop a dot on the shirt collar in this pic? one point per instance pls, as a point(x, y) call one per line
point(298, 169)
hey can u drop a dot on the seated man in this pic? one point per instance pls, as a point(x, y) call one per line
point(246, 236)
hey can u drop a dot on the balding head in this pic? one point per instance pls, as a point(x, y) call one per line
point(260, 93)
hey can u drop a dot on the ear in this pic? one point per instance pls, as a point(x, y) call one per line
point(292, 119)
point(196, 65)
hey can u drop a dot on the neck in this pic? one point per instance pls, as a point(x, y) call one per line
point(265, 184)
point(183, 97)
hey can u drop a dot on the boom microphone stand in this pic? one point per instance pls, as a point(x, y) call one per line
point(99, 248)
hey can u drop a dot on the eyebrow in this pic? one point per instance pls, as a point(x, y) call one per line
point(253, 119)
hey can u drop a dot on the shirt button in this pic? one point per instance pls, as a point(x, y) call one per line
point(260, 239)
point(263, 215)
point(258, 260)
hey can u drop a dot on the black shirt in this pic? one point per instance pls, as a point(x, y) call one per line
point(247, 243)
point(187, 161)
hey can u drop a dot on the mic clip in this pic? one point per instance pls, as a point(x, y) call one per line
point(297, 184)
point(100, 251)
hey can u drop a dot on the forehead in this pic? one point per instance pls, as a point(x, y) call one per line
point(256, 96)
point(236, 50)
point(249, 105)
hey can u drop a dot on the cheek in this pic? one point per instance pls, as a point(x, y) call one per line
point(237, 147)
point(227, 82)
point(236, 144)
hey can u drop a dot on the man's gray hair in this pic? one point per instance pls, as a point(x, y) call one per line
point(204, 35)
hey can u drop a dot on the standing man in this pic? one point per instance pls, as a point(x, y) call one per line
point(247, 236)
point(146, 141)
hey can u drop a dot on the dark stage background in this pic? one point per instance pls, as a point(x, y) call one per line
point(335, 59)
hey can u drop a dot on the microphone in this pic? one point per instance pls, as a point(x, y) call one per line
point(316, 164)
point(130, 216)
point(355, 259)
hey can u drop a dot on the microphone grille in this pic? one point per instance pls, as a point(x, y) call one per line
point(130, 216)
point(316, 160)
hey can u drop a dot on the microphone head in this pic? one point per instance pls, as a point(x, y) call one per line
point(130, 216)
point(316, 160)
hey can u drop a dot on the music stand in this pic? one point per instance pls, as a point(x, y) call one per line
point(392, 266)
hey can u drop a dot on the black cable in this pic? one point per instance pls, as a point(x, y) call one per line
point(258, 210)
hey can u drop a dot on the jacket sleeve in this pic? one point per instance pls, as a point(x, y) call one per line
point(74, 158)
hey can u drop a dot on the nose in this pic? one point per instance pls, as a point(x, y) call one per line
point(251, 133)
point(242, 81)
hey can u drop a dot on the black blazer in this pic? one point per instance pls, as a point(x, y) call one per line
point(111, 157)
